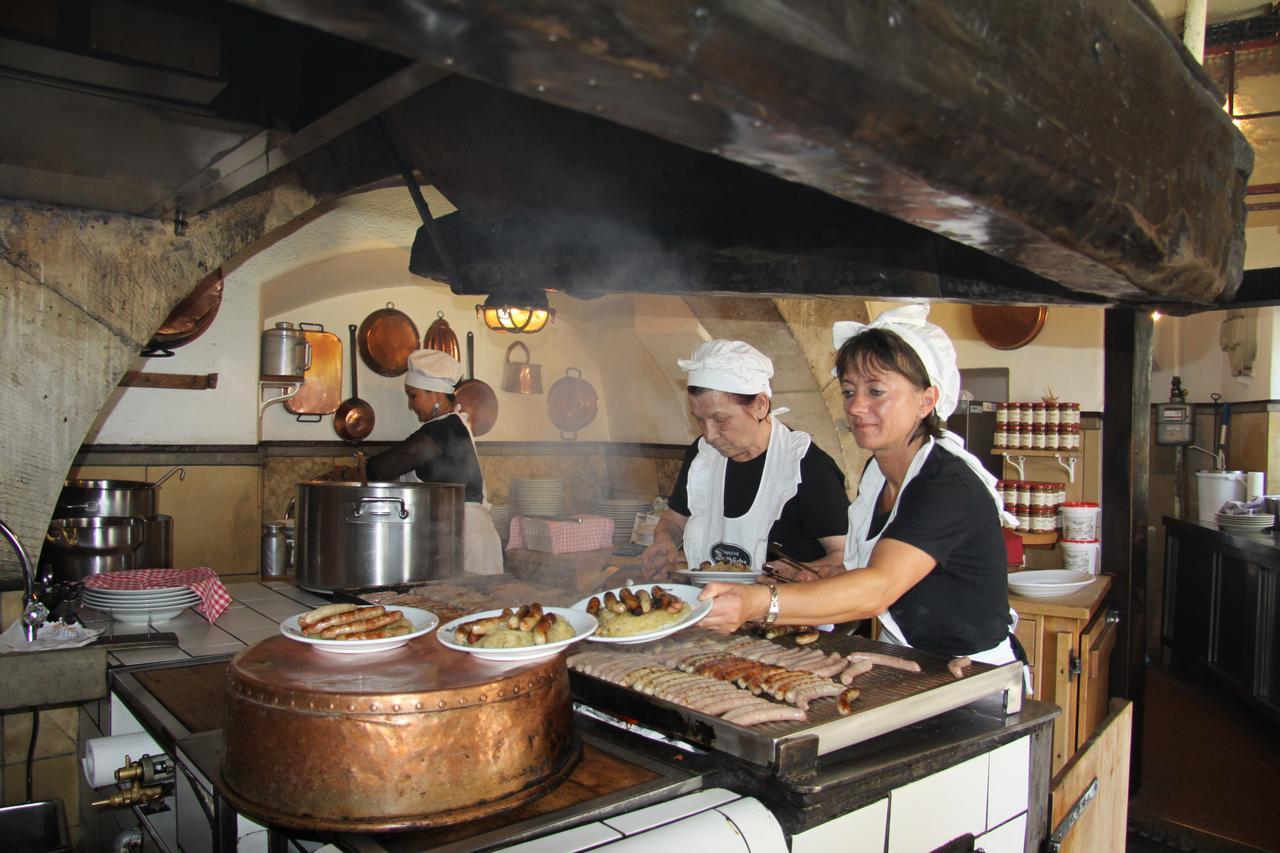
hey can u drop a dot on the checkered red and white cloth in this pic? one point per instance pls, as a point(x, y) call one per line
point(214, 597)
point(560, 536)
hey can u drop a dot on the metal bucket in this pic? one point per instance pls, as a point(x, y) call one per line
point(286, 355)
point(354, 536)
point(156, 551)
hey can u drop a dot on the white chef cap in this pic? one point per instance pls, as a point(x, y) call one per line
point(929, 341)
point(732, 366)
point(432, 370)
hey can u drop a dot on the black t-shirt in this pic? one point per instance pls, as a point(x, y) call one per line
point(962, 605)
point(818, 509)
point(439, 452)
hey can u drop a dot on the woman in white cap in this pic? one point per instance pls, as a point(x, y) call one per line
point(442, 451)
point(748, 481)
point(924, 548)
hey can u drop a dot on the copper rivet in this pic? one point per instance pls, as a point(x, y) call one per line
point(418, 705)
point(440, 704)
point(373, 706)
point(484, 698)
point(395, 707)
point(351, 707)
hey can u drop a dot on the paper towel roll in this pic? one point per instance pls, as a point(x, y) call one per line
point(103, 756)
point(1254, 485)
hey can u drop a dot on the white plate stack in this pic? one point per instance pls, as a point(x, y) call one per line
point(141, 606)
point(1245, 523)
point(622, 511)
point(501, 515)
point(537, 497)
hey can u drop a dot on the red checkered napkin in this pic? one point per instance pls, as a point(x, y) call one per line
point(214, 597)
point(583, 533)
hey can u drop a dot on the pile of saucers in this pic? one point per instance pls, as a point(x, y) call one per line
point(141, 606)
point(537, 497)
point(1245, 523)
point(622, 511)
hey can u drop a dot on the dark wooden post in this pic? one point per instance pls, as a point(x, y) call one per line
point(1126, 422)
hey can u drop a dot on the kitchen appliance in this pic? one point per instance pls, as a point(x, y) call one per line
point(975, 422)
point(351, 535)
point(419, 738)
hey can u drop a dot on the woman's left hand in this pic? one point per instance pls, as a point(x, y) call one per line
point(733, 605)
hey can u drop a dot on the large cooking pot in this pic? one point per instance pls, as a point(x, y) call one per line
point(113, 498)
point(80, 547)
point(354, 536)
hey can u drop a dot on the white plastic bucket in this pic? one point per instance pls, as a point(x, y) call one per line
point(1079, 520)
point(1080, 556)
point(1214, 488)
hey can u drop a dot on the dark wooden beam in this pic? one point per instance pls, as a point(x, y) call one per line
point(1074, 140)
point(1126, 464)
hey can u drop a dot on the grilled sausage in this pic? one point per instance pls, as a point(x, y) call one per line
point(844, 702)
point(542, 627)
point(629, 601)
point(308, 619)
point(645, 599)
point(593, 606)
point(347, 616)
point(513, 621)
point(531, 618)
point(750, 716)
point(807, 637)
point(395, 629)
point(360, 625)
point(887, 660)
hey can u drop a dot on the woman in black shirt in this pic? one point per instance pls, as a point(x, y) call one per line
point(924, 549)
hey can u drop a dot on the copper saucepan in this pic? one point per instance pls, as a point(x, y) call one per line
point(354, 419)
point(475, 396)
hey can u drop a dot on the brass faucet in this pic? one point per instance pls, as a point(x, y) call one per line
point(33, 612)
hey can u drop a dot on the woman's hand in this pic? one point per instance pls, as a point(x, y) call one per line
point(733, 605)
point(657, 559)
point(805, 572)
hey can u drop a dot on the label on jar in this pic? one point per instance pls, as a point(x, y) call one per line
point(1037, 436)
point(1037, 413)
point(1052, 414)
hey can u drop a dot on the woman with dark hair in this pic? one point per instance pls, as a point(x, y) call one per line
point(924, 550)
point(748, 480)
point(443, 451)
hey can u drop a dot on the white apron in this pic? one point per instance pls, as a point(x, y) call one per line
point(707, 525)
point(857, 548)
point(481, 547)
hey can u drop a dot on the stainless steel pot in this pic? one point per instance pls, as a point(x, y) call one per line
point(111, 498)
point(79, 547)
point(352, 536)
point(286, 354)
point(156, 551)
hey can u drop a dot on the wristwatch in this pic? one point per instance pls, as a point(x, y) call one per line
point(772, 615)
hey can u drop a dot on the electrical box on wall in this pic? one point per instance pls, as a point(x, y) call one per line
point(1174, 425)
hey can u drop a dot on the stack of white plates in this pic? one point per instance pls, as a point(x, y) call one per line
point(1048, 583)
point(141, 606)
point(501, 515)
point(622, 511)
point(537, 497)
point(1245, 523)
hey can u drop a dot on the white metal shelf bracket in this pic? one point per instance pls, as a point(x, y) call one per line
point(1068, 464)
point(1019, 464)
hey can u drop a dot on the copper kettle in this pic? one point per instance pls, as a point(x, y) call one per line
point(521, 377)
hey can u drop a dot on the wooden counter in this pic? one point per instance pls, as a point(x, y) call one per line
point(1068, 640)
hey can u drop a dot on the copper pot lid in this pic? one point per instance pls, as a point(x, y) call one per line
point(385, 339)
point(1008, 327)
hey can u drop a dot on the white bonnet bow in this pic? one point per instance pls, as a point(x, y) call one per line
point(732, 366)
point(910, 322)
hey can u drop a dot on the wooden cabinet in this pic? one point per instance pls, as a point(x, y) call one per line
point(1098, 776)
point(1068, 641)
point(1222, 598)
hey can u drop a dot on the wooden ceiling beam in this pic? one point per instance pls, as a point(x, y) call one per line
point(1075, 140)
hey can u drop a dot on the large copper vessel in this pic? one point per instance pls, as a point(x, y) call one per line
point(416, 737)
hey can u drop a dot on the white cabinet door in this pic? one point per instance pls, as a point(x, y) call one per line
point(1007, 838)
point(929, 812)
point(861, 831)
point(1009, 780)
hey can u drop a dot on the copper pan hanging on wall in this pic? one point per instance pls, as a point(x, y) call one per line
point(1008, 326)
point(385, 339)
point(440, 337)
point(189, 319)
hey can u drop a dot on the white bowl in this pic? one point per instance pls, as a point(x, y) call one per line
point(422, 620)
point(687, 594)
point(1048, 583)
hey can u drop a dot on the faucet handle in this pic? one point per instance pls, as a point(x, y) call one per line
point(33, 615)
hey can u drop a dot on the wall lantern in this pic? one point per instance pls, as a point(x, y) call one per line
point(522, 312)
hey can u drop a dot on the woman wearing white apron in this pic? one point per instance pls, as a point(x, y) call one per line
point(924, 549)
point(748, 480)
point(443, 451)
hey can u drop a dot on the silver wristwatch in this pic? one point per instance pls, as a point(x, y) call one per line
point(772, 615)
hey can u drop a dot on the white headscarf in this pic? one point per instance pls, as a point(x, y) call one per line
point(910, 322)
point(432, 370)
point(732, 366)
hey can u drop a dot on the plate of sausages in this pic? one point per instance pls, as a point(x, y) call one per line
point(524, 633)
point(639, 614)
point(352, 630)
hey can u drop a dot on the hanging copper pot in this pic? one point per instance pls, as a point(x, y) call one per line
point(190, 318)
point(386, 338)
point(521, 377)
point(1008, 327)
point(440, 337)
point(572, 403)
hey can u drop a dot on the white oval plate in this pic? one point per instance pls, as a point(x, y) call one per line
point(136, 602)
point(1049, 582)
point(142, 608)
point(583, 624)
point(687, 594)
point(129, 593)
point(701, 577)
point(422, 620)
point(155, 616)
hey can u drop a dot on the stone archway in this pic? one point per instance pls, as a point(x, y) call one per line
point(82, 291)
